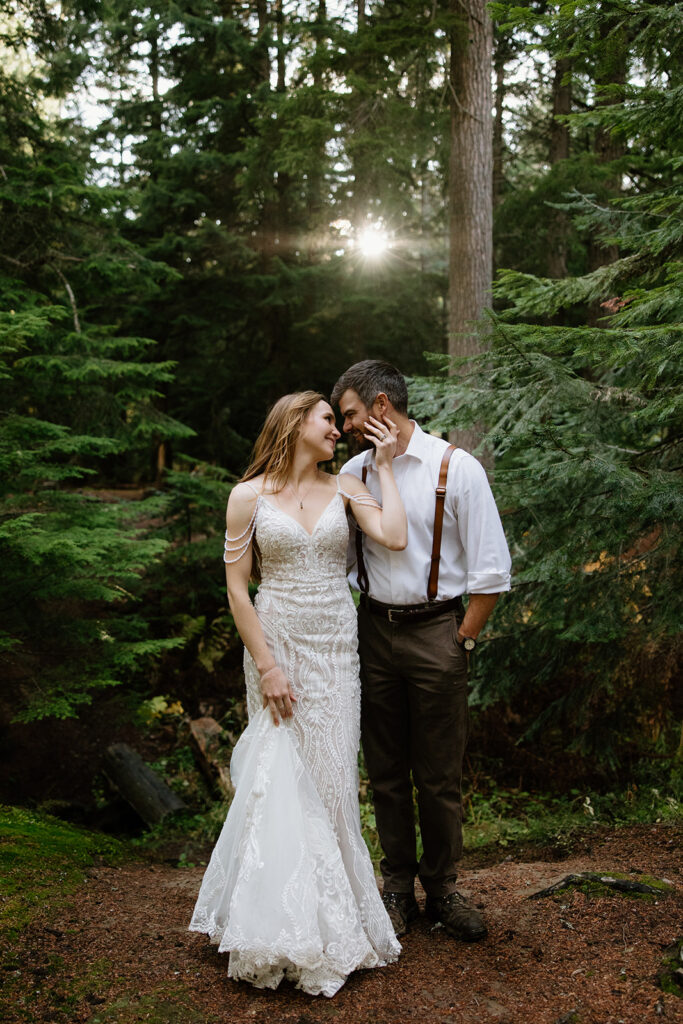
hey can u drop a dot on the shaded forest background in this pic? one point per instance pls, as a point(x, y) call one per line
point(184, 188)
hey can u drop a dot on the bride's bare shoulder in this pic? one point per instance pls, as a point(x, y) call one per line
point(350, 484)
point(243, 497)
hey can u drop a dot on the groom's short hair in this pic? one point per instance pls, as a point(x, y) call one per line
point(370, 377)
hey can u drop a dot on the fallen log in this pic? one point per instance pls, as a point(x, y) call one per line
point(139, 785)
point(212, 756)
point(610, 881)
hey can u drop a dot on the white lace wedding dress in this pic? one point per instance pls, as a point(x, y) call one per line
point(290, 889)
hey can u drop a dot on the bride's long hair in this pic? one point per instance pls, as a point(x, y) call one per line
point(273, 453)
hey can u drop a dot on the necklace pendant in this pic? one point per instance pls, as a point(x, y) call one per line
point(301, 505)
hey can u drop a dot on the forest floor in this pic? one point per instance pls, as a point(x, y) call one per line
point(116, 950)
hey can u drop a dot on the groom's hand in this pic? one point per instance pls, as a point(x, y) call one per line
point(277, 693)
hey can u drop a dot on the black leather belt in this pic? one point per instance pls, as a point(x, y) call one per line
point(411, 612)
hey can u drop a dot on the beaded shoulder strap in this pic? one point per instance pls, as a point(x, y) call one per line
point(238, 546)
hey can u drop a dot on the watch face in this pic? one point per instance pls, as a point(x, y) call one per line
point(469, 644)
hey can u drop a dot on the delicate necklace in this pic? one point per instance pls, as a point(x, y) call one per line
point(299, 497)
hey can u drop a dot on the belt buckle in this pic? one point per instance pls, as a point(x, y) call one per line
point(391, 612)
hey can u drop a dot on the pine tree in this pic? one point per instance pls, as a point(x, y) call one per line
point(75, 393)
point(470, 183)
point(586, 424)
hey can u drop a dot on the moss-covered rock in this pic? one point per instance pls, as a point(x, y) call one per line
point(609, 883)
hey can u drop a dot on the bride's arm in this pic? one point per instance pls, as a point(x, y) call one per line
point(388, 524)
point(239, 520)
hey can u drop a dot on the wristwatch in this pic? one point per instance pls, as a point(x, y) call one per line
point(468, 643)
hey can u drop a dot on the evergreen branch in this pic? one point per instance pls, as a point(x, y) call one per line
point(15, 263)
point(510, 341)
point(662, 446)
point(64, 256)
point(19, 599)
point(72, 298)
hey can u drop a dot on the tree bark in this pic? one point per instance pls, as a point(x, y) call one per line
point(316, 177)
point(559, 150)
point(498, 146)
point(280, 30)
point(562, 104)
point(470, 182)
point(283, 180)
point(262, 15)
point(611, 70)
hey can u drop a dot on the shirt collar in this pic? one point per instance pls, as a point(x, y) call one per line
point(417, 446)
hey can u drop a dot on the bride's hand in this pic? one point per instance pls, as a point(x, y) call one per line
point(277, 693)
point(384, 436)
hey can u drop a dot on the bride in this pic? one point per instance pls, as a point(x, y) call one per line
point(290, 890)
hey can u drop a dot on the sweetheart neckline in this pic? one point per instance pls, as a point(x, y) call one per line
point(310, 536)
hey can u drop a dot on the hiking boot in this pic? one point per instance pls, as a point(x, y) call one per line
point(402, 908)
point(459, 918)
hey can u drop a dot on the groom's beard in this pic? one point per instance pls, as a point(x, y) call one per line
point(357, 445)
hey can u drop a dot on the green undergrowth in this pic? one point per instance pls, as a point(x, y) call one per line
point(42, 860)
point(495, 817)
point(503, 817)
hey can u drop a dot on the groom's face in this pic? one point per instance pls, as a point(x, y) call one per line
point(355, 415)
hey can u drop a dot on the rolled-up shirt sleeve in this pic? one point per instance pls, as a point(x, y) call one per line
point(481, 532)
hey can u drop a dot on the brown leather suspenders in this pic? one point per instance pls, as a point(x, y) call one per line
point(433, 584)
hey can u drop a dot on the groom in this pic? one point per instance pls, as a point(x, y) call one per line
point(414, 641)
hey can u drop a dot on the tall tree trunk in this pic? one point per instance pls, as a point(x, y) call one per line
point(470, 182)
point(611, 70)
point(559, 150)
point(283, 181)
point(262, 15)
point(280, 29)
point(265, 237)
point(360, 151)
point(164, 452)
point(316, 176)
point(562, 104)
point(498, 146)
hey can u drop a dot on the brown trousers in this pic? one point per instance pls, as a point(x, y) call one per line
point(414, 721)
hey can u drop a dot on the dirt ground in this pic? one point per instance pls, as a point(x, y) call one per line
point(119, 951)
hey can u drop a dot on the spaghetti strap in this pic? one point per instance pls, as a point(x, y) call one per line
point(252, 488)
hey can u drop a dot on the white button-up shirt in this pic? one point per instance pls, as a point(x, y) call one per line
point(474, 554)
